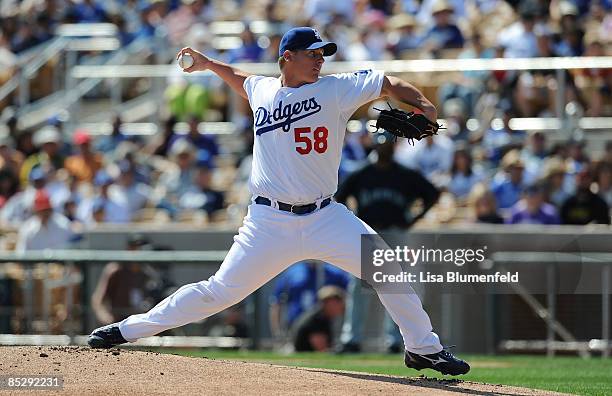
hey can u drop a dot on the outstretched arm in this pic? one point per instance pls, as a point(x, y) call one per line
point(405, 92)
point(232, 76)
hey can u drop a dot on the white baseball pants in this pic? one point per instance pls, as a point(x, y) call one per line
point(267, 243)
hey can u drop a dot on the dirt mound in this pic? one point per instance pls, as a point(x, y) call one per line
point(125, 372)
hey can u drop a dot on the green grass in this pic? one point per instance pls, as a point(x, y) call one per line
point(561, 374)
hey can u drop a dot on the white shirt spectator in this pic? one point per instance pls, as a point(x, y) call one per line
point(322, 10)
point(518, 42)
point(134, 197)
point(114, 211)
point(430, 160)
point(425, 17)
point(460, 184)
point(18, 208)
point(33, 235)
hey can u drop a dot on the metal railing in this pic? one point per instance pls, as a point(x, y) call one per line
point(547, 313)
point(560, 65)
point(69, 37)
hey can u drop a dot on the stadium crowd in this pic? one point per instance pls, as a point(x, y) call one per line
point(56, 182)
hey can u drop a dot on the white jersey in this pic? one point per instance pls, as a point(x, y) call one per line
point(299, 132)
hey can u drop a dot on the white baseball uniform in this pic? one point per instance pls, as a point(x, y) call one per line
point(299, 134)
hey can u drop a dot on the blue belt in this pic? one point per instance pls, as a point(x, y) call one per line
point(297, 209)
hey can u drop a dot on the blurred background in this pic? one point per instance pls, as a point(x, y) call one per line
point(123, 178)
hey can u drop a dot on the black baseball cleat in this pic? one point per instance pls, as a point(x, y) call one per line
point(106, 337)
point(443, 361)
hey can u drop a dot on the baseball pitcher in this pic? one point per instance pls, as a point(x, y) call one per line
point(299, 124)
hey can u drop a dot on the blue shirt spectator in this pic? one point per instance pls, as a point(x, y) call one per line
point(444, 33)
point(463, 175)
point(88, 11)
point(546, 214)
point(507, 193)
point(201, 142)
point(508, 187)
point(297, 287)
point(249, 51)
point(533, 210)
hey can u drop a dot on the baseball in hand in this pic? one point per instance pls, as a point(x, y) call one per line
point(185, 61)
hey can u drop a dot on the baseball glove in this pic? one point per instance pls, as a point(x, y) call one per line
point(409, 125)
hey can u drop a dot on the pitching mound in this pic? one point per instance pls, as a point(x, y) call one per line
point(125, 372)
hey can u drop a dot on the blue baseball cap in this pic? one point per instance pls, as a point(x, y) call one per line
point(204, 160)
point(305, 38)
point(102, 178)
point(37, 173)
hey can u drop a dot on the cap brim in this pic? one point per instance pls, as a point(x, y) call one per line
point(329, 48)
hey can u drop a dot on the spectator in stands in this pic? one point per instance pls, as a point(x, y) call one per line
point(604, 182)
point(501, 138)
point(295, 292)
point(577, 158)
point(357, 49)
point(160, 144)
point(24, 143)
point(434, 157)
point(201, 195)
point(313, 330)
point(532, 209)
point(585, 207)
point(271, 52)
point(233, 324)
point(23, 38)
point(508, 186)
point(127, 189)
point(374, 36)
point(199, 140)
point(45, 229)
point(471, 84)
point(484, 205)
point(463, 175)
point(48, 140)
point(87, 11)
point(425, 10)
point(107, 143)
point(403, 35)
point(70, 208)
point(519, 39)
point(122, 289)
point(151, 15)
point(10, 159)
point(9, 185)
point(19, 207)
point(130, 153)
point(555, 177)
point(354, 152)
point(103, 203)
point(444, 33)
point(177, 177)
point(178, 22)
point(534, 156)
point(456, 120)
point(249, 51)
point(571, 43)
point(598, 81)
point(98, 212)
point(322, 11)
point(85, 164)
